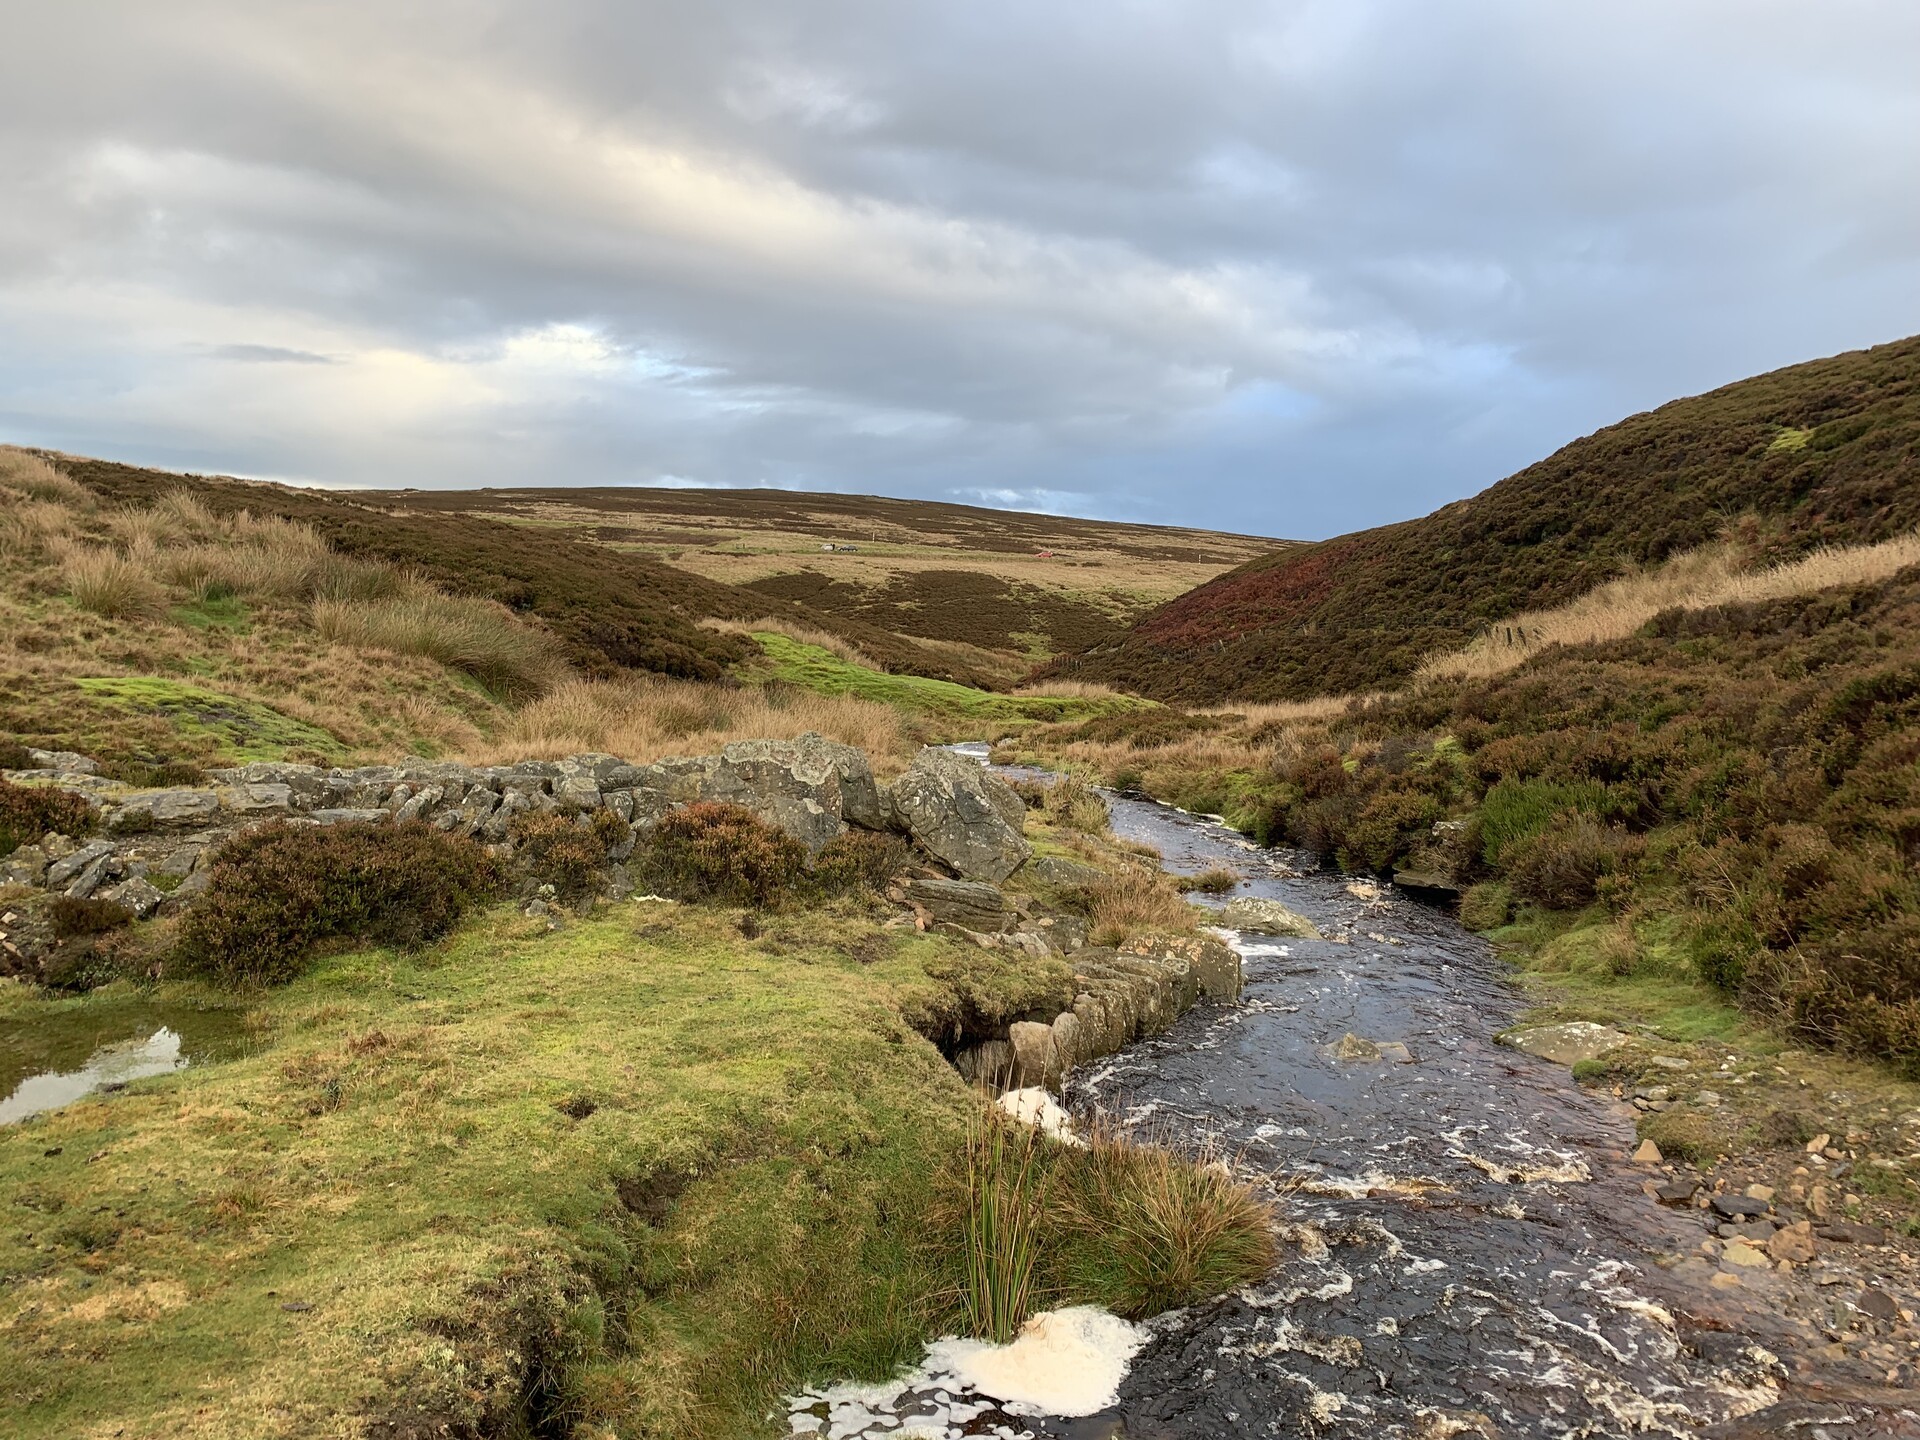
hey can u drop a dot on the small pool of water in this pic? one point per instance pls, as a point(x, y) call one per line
point(72, 1049)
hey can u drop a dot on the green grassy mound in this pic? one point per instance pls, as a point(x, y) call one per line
point(638, 1171)
point(238, 730)
point(814, 668)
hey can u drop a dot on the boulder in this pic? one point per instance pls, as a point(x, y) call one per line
point(1794, 1243)
point(63, 872)
point(1057, 873)
point(812, 787)
point(970, 904)
point(262, 797)
point(138, 895)
point(1032, 1052)
point(64, 762)
point(1210, 965)
point(25, 866)
point(163, 808)
point(960, 814)
point(1566, 1044)
point(1253, 915)
point(343, 814)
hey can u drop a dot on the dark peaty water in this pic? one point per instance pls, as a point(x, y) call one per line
point(1468, 1250)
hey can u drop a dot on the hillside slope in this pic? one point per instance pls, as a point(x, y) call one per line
point(1022, 585)
point(612, 612)
point(1820, 453)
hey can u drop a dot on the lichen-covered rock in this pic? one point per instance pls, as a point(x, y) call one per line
point(1256, 916)
point(811, 787)
point(164, 808)
point(64, 871)
point(970, 904)
point(961, 815)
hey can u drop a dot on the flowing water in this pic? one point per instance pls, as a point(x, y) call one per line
point(1467, 1248)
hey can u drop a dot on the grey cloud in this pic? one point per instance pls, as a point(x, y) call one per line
point(1289, 267)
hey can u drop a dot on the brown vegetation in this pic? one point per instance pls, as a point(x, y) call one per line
point(278, 892)
point(644, 719)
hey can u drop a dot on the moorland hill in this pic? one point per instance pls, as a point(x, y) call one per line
point(1822, 453)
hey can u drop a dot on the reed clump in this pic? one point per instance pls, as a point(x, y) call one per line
point(1137, 1227)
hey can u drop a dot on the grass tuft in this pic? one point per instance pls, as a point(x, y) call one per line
point(477, 637)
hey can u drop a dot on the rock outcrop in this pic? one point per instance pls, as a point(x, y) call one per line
point(962, 815)
point(153, 857)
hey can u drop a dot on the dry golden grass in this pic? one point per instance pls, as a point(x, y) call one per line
point(476, 637)
point(28, 475)
point(805, 634)
point(1139, 901)
point(1069, 690)
point(648, 718)
point(1698, 580)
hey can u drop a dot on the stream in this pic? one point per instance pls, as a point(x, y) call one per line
point(1466, 1251)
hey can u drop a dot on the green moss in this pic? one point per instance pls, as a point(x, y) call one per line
point(242, 730)
point(639, 1170)
point(1789, 438)
point(815, 668)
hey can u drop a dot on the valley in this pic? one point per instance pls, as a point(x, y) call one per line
point(573, 900)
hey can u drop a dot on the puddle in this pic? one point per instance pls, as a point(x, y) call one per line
point(80, 1047)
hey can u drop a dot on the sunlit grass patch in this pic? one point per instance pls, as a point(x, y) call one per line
point(818, 669)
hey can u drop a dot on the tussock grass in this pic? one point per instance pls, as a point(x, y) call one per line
point(1139, 900)
point(1071, 802)
point(647, 718)
point(1701, 579)
point(1137, 1227)
point(111, 584)
point(27, 474)
point(1173, 1229)
point(475, 637)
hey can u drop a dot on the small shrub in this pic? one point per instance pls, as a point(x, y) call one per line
point(1696, 1138)
point(717, 851)
point(1207, 882)
point(1786, 1129)
point(1515, 810)
point(72, 917)
point(13, 756)
point(859, 860)
point(1561, 864)
point(1486, 906)
point(556, 850)
point(277, 893)
point(29, 811)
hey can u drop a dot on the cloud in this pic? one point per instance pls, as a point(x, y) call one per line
point(1283, 267)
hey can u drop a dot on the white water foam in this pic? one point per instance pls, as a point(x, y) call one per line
point(1065, 1363)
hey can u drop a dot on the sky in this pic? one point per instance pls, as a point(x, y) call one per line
point(1289, 268)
